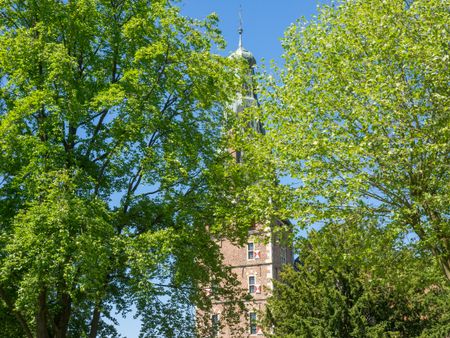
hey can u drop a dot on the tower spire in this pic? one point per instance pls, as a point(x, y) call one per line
point(240, 30)
point(241, 52)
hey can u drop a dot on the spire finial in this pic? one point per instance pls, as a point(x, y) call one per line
point(240, 30)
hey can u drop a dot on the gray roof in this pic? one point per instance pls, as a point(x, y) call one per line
point(241, 52)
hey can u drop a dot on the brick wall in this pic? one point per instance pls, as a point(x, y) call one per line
point(269, 254)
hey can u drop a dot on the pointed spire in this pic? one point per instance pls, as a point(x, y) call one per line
point(240, 30)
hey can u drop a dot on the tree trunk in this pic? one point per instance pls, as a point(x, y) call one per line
point(95, 321)
point(445, 266)
point(62, 319)
point(41, 317)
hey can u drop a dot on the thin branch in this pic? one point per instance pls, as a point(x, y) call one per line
point(99, 125)
point(20, 318)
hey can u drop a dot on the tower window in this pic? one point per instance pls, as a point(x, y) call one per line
point(251, 284)
point(250, 251)
point(283, 255)
point(215, 325)
point(253, 329)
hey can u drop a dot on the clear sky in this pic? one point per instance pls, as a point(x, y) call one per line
point(264, 23)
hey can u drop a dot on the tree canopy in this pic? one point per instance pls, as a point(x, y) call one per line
point(116, 173)
point(359, 280)
point(114, 167)
point(359, 117)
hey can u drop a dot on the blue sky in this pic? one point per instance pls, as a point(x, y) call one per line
point(264, 23)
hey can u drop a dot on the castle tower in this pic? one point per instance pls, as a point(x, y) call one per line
point(260, 260)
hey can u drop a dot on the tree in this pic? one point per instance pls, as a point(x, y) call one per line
point(359, 117)
point(357, 280)
point(112, 157)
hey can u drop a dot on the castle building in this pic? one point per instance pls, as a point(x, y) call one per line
point(260, 260)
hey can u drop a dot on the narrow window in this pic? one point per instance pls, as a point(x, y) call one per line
point(250, 251)
point(251, 284)
point(283, 255)
point(215, 325)
point(253, 323)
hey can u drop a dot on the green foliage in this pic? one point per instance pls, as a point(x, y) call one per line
point(112, 154)
point(359, 117)
point(359, 281)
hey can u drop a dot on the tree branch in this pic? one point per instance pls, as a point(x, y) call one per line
point(20, 318)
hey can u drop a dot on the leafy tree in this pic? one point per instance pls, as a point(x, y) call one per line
point(359, 281)
point(112, 157)
point(359, 117)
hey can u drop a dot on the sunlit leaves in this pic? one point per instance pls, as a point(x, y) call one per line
point(112, 152)
point(360, 116)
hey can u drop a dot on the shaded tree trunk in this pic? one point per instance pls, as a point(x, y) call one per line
point(95, 322)
point(62, 319)
point(41, 317)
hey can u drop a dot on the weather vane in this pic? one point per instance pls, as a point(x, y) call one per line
point(240, 30)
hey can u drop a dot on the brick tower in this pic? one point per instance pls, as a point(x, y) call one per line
point(258, 262)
